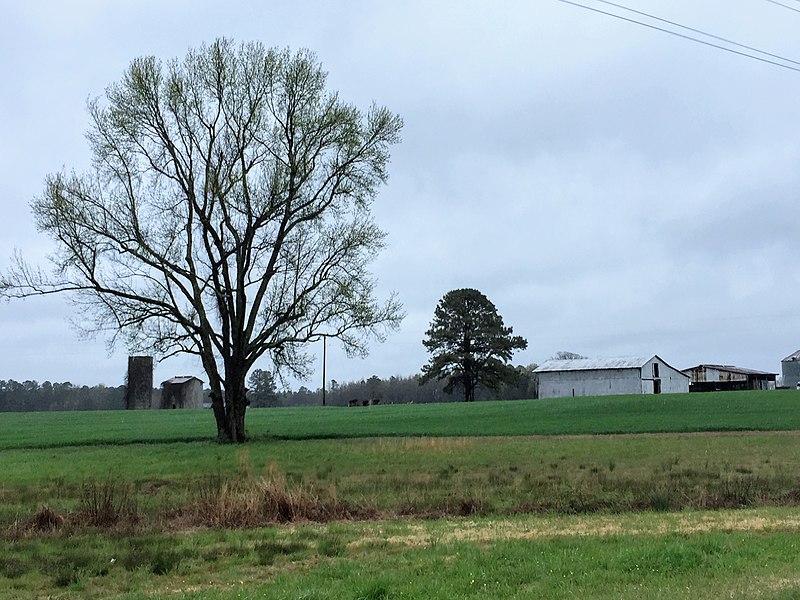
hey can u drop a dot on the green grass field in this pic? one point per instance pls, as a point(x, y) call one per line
point(731, 411)
point(496, 499)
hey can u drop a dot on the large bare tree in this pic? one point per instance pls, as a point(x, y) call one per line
point(226, 215)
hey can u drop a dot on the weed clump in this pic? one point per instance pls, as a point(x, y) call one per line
point(107, 503)
point(253, 502)
point(45, 520)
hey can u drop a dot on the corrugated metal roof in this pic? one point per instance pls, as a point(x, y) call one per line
point(792, 357)
point(592, 364)
point(182, 379)
point(730, 369)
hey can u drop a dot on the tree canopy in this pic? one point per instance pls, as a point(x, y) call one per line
point(469, 344)
point(226, 214)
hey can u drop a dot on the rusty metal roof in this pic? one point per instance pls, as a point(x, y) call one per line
point(730, 369)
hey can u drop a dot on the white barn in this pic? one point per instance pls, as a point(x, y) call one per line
point(609, 376)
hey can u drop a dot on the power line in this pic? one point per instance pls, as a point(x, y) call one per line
point(784, 5)
point(686, 37)
point(701, 32)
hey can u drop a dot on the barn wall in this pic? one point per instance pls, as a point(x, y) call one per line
point(182, 395)
point(791, 372)
point(672, 380)
point(193, 394)
point(724, 375)
point(600, 382)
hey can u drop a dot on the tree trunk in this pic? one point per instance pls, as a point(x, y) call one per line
point(229, 412)
point(218, 405)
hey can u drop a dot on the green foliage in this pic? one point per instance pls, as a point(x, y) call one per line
point(263, 390)
point(469, 344)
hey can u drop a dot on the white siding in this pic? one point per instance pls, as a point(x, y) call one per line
point(672, 380)
point(569, 381)
point(791, 373)
point(599, 382)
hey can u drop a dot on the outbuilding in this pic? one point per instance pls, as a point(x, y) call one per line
point(716, 378)
point(790, 368)
point(609, 376)
point(182, 392)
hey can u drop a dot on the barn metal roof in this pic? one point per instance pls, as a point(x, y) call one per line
point(592, 364)
point(792, 357)
point(730, 369)
point(179, 380)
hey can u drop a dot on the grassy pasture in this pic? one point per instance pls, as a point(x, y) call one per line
point(501, 500)
point(732, 411)
point(740, 555)
point(431, 476)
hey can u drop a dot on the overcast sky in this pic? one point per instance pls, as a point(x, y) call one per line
point(614, 190)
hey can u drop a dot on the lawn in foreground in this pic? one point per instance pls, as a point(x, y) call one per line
point(731, 554)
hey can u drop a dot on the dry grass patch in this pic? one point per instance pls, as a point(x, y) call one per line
point(249, 502)
point(423, 534)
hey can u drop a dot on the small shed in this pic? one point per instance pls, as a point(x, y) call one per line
point(790, 368)
point(609, 376)
point(716, 378)
point(182, 392)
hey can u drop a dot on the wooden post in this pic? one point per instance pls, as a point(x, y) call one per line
point(324, 360)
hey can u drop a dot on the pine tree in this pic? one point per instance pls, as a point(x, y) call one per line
point(469, 344)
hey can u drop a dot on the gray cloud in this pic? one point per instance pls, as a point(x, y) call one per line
point(612, 190)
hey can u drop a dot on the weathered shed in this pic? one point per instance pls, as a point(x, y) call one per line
point(715, 378)
point(182, 392)
point(790, 368)
point(609, 376)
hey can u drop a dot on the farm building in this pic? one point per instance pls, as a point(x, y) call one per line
point(139, 389)
point(790, 368)
point(182, 392)
point(715, 378)
point(605, 377)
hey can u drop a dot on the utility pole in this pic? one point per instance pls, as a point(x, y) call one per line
point(324, 360)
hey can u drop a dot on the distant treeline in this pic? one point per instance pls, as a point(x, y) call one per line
point(394, 390)
point(33, 396)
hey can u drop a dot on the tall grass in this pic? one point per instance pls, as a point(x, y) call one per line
point(190, 485)
point(248, 501)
